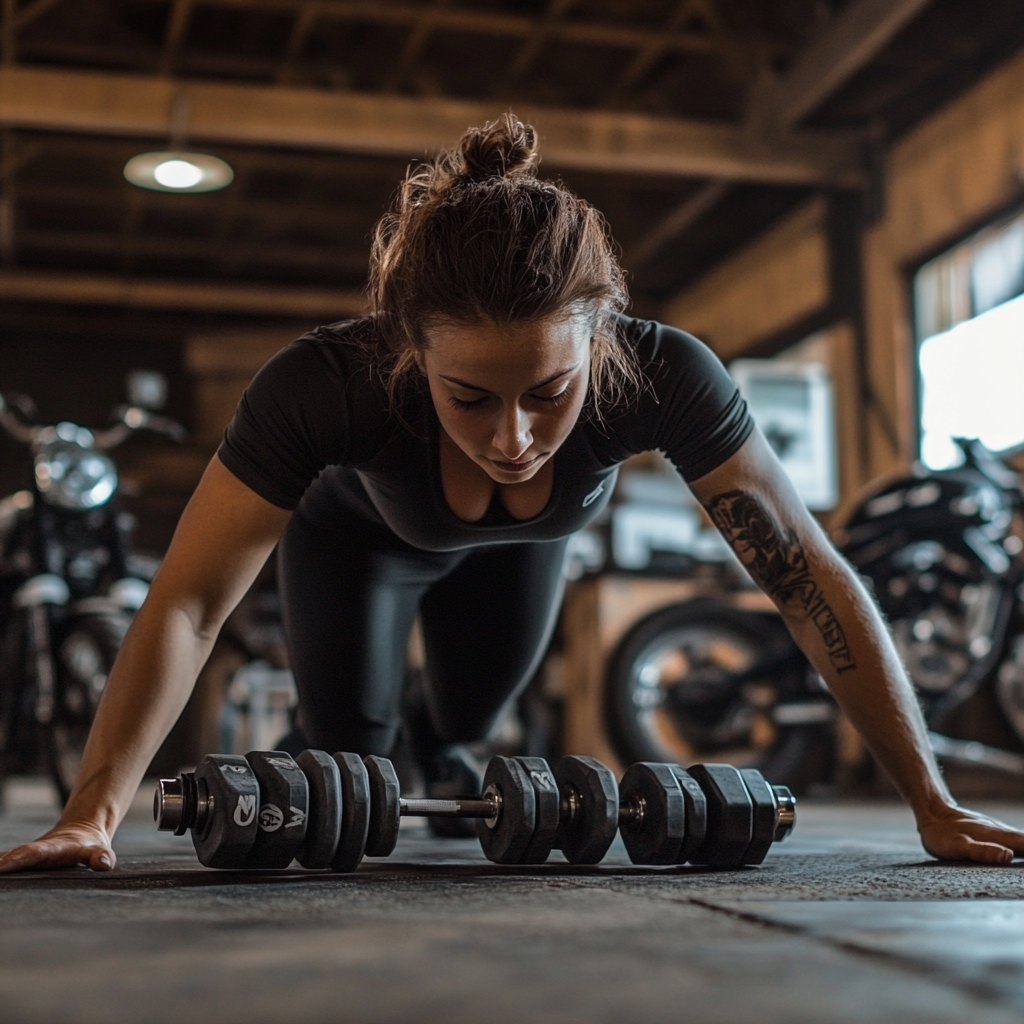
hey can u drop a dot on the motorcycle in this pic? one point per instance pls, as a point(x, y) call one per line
point(943, 553)
point(69, 583)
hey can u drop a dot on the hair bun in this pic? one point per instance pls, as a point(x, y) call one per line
point(499, 149)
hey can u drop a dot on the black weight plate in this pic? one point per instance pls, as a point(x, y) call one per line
point(323, 824)
point(764, 816)
point(656, 836)
point(385, 797)
point(696, 813)
point(355, 812)
point(585, 839)
point(508, 840)
point(229, 832)
point(546, 801)
point(284, 804)
point(730, 815)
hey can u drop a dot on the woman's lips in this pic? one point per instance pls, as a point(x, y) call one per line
point(516, 467)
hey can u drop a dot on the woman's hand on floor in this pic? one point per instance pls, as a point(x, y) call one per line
point(954, 833)
point(64, 846)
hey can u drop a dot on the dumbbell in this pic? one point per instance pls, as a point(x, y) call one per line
point(265, 809)
point(713, 814)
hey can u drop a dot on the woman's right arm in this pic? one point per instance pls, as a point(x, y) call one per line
point(225, 535)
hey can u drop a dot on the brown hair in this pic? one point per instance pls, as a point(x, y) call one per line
point(474, 235)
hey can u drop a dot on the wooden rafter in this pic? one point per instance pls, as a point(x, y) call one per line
point(468, 20)
point(646, 56)
point(415, 43)
point(197, 250)
point(112, 290)
point(137, 106)
point(305, 19)
point(275, 216)
point(534, 43)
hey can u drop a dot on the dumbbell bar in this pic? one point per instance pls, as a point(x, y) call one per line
point(340, 808)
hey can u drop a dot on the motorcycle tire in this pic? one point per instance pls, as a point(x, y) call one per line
point(84, 658)
point(734, 725)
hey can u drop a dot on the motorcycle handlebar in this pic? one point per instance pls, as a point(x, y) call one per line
point(133, 418)
point(130, 419)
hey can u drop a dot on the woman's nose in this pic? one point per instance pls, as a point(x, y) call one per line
point(513, 437)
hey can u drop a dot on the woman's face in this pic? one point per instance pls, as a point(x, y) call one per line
point(509, 396)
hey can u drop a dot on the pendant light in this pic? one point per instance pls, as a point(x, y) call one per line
point(175, 169)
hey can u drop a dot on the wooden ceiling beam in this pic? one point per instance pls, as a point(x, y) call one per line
point(201, 251)
point(608, 141)
point(531, 47)
point(28, 14)
point(848, 43)
point(305, 19)
point(260, 299)
point(477, 22)
point(275, 215)
point(677, 222)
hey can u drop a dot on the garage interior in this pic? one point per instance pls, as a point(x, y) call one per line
point(830, 194)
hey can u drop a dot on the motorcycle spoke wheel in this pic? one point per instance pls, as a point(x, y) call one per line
point(679, 689)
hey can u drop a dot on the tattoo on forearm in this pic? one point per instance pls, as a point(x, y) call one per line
point(777, 561)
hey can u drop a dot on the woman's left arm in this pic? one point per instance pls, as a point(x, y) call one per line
point(837, 625)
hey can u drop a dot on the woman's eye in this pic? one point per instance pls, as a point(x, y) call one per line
point(460, 403)
point(562, 396)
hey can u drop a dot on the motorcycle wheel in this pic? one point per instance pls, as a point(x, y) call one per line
point(668, 696)
point(84, 659)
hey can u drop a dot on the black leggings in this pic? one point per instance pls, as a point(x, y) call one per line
point(351, 592)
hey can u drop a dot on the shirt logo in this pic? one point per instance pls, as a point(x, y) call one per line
point(594, 495)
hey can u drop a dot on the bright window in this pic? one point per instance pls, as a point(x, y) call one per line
point(972, 384)
point(970, 317)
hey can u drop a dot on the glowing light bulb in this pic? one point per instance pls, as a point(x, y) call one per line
point(169, 171)
point(177, 174)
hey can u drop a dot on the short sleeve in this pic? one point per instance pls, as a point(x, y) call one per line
point(692, 409)
point(292, 421)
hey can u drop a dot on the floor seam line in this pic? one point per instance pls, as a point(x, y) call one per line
point(887, 958)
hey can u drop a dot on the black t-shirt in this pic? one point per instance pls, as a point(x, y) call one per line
point(318, 415)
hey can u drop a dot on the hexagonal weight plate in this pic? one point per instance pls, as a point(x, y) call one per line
point(355, 812)
point(546, 802)
point(323, 827)
point(696, 813)
point(507, 840)
point(584, 837)
point(764, 816)
point(284, 806)
point(229, 832)
point(655, 835)
point(730, 815)
point(385, 807)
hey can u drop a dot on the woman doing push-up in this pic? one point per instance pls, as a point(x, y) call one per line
point(432, 458)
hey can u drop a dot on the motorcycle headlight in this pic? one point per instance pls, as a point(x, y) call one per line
point(71, 476)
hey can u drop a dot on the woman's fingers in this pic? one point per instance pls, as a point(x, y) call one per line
point(60, 850)
point(969, 836)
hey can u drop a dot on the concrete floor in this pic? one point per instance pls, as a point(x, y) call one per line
point(845, 922)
